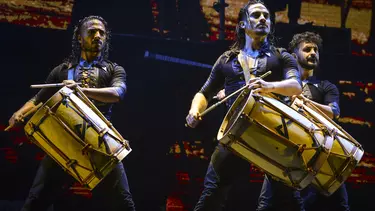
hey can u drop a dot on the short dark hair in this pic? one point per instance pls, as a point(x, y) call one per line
point(309, 37)
point(76, 47)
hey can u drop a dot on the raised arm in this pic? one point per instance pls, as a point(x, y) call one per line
point(111, 94)
point(291, 85)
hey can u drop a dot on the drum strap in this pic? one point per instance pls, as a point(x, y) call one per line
point(249, 66)
point(71, 74)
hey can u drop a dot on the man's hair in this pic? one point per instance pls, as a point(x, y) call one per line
point(76, 47)
point(309, 37)
point(243, 15)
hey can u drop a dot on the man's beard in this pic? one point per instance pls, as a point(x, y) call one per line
point(307, 66)
point(305, 62)
point(261, 33)
point(93, 48)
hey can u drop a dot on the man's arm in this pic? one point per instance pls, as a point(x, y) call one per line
point(200, 102)
point(41, 96)
point(326, 109)
point(105, 95)
point(18, 116)
point(291, 85)
point(111, 94)
point(287, 87)
point(331, 100)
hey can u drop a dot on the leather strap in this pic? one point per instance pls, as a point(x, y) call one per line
point(249, 65)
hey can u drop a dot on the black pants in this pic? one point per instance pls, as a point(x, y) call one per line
point(338, 201)
point(224, 169)
point(277, 196)
point(48, 188)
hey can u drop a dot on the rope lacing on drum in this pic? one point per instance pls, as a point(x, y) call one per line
point(301, 148)
point(333, 132)
point(86, 148)
point(70, 163)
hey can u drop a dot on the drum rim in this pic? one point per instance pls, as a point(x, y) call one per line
point(225, 128)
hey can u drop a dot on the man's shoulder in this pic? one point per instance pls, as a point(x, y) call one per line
point(280, 52)
point(62, 66)
point(110, 64)
point(327, 83)
point(322, 83)
point(228, 55)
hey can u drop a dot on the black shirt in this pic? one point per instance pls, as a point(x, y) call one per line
point(322, 92)
point(101, 73)
point(227, 71)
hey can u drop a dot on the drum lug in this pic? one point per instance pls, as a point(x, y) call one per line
point(126, 144)
point(248, 118)
point(333, 132)
point(312, 171)
point(232, 138)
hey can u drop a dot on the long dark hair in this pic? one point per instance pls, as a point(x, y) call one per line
point(76, 47)
point(239, 41)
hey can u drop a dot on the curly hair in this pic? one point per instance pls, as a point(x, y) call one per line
point(239, 42)
point(76, 47)
point(309, 37)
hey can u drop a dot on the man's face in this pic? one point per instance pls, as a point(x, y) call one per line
point(93, 36)
point(258, 19)
point(307, 55)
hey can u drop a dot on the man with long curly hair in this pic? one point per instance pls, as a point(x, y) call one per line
point(253, 43)
point(104, 82)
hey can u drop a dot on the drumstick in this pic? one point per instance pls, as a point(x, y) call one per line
point(40, 86)
point(26, 114)
point(229, 96)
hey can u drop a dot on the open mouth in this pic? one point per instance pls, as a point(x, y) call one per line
point(313, 60)
point(97, 42)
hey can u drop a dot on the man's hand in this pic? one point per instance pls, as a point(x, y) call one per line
point(259, 85)
point(70, 83)
point(193, 118)
point(302, 98)
point(220, 95)
point(16, 118)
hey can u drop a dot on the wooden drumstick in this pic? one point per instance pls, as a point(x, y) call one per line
point(41, 86)
point(26, 114)
point(227, 97)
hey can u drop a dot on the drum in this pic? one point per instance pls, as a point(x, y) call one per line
point(276, 138)
point(71, 130)
point(345, 154)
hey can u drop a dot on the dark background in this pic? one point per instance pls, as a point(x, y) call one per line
point(159, 95)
